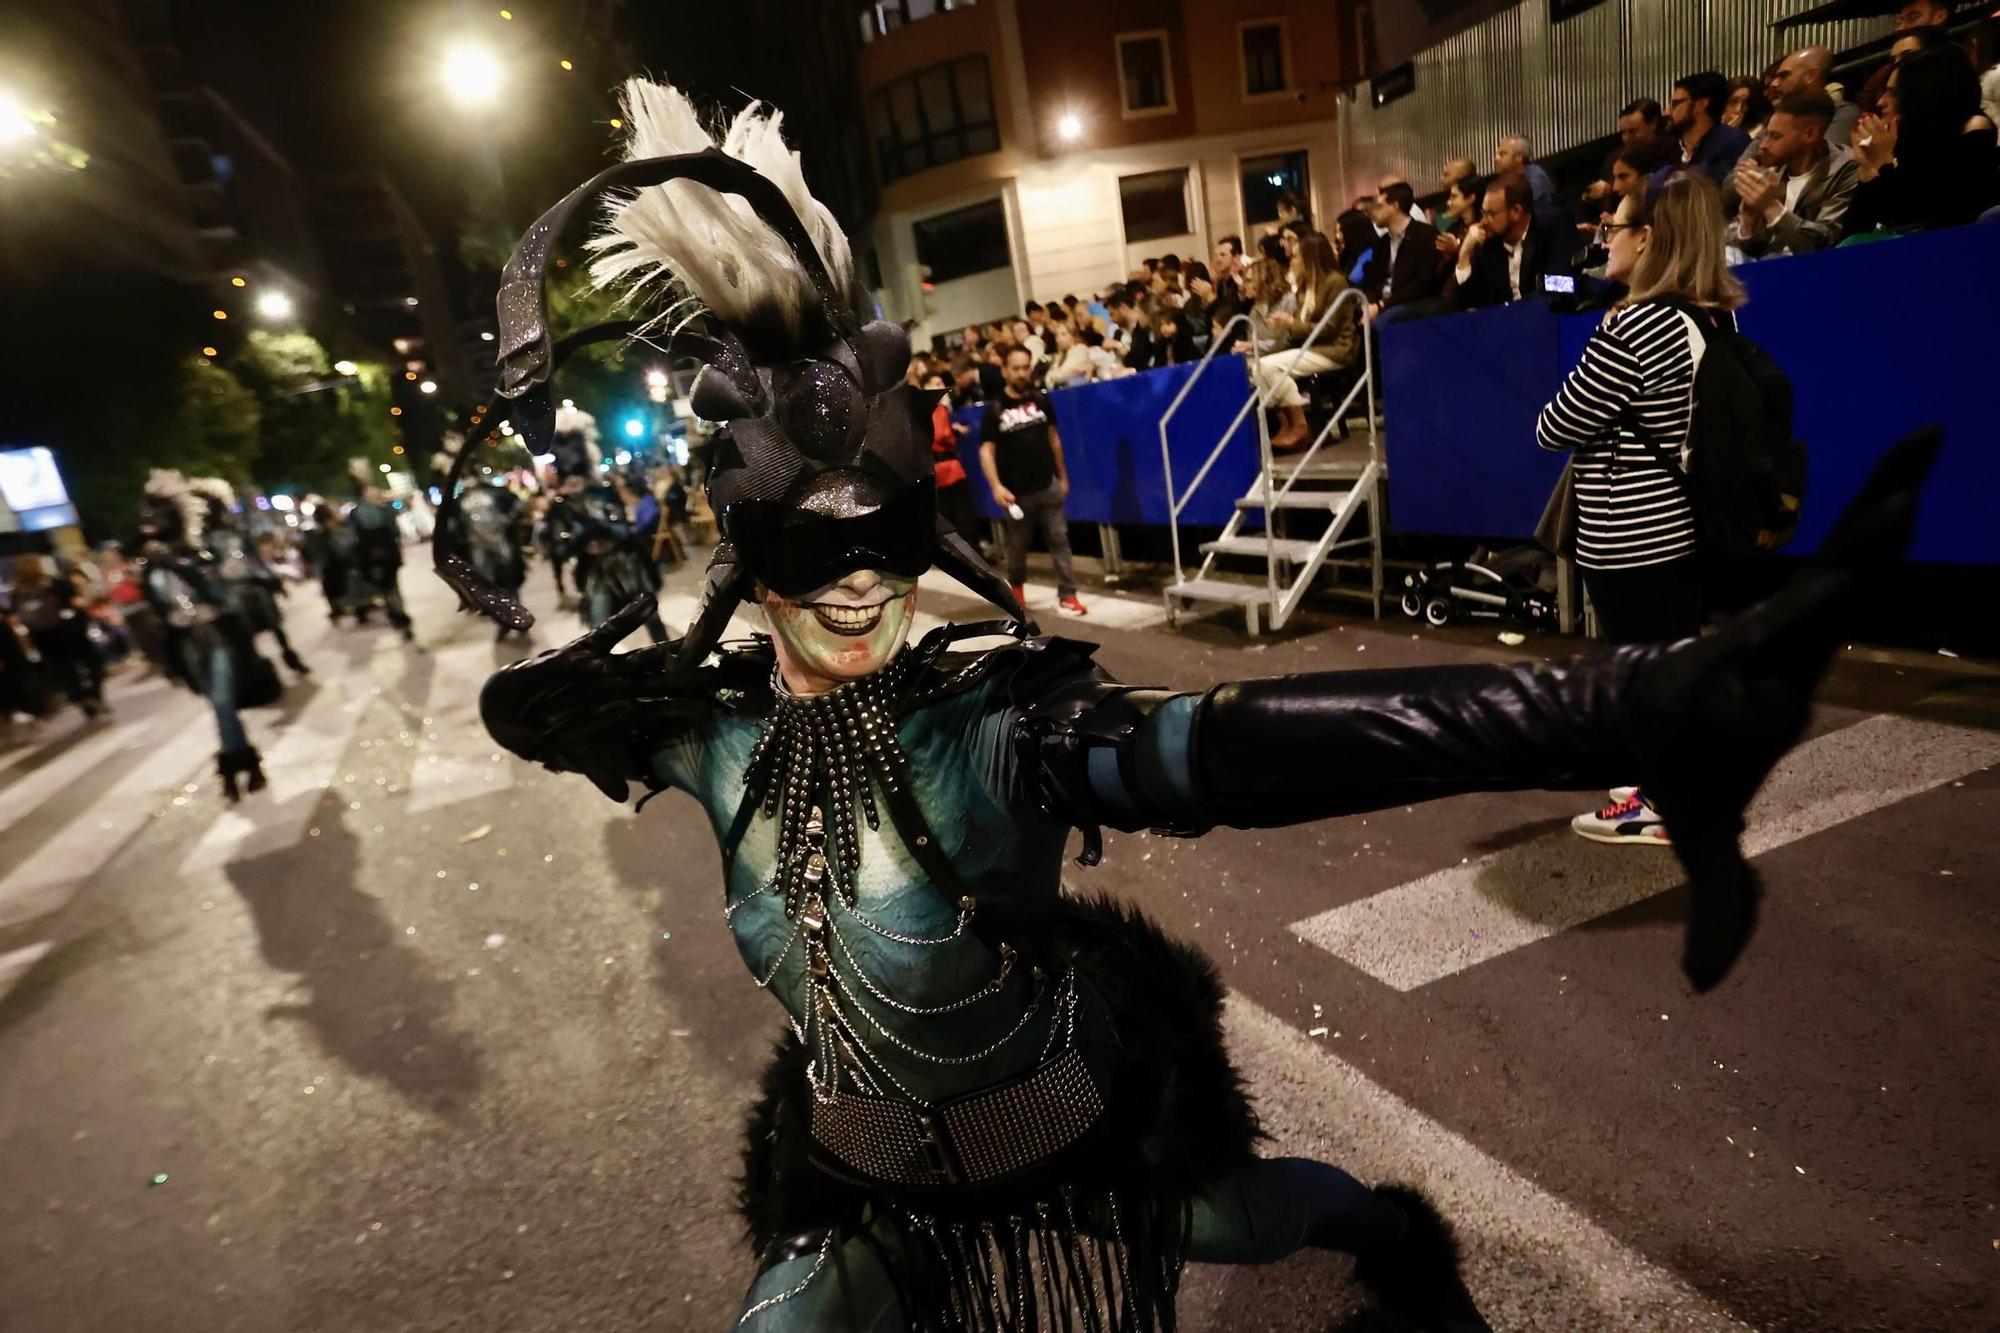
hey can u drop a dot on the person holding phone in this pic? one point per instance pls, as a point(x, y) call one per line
point(1021, 454)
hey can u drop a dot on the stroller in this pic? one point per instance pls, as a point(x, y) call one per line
point(1515, 584)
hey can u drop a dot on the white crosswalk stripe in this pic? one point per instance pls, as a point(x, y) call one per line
point(14, 964)
point(1444, 923)
point(45, 880)
point(31, 789)
point(300, 766)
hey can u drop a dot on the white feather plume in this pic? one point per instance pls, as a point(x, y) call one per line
point(707, 245)
point(577, 421)
point(169, 485)
point(214, 488)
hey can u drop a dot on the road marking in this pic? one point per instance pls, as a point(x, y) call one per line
point(1315, 1104)
point(463, 763)
point(300, 765)
point(85, 845)
point(31, 789)
point(1444, 923)
point(15, 964)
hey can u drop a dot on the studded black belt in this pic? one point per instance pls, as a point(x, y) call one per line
point(976, 1139)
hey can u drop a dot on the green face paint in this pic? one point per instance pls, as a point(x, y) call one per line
point(844, 631)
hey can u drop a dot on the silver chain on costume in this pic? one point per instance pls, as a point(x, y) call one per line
point(815, 768)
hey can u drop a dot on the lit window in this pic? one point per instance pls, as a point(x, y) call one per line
point(1264, 58)
point(1145, 80)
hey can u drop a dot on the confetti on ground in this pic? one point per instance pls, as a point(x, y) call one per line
point(156, 1180)
point(1512, 639)
point(476, 834)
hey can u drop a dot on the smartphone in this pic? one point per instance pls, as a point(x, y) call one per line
point(1558, 284)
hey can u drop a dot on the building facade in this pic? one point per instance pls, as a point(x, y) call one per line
point(1032, 149)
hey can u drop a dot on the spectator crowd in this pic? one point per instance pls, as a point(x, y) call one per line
point(1799, 163)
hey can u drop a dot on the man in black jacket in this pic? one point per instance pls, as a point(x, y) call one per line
point(1514, 247)
point(1402, 277)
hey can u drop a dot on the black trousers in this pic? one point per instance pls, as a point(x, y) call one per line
point(1651, 604)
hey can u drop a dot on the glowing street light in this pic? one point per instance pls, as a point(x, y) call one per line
point(274, 305)
point(346, 368)
point(14, 121)
point(428, 386)
point(471, 75)
point(1070, 128)
point(634, 427)
point(656, 378)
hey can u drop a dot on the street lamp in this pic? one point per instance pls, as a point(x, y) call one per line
point(471, 75)
point(428, 386)
point(14, 122)
point(346, 368)
point(1070, 128)
point(274, 305)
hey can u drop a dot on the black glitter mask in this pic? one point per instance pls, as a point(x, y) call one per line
point(822, 464)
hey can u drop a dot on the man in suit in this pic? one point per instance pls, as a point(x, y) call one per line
point(1796, 201)
point(1402, 278)
point(1512, 248)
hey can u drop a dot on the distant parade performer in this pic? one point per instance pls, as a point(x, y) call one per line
point(378, 552)
point(328, 548)
point(208, 642)
point(614, 563)
point(489, 525)
point(1000, 1104)
point(253, 586)
point(552, 531)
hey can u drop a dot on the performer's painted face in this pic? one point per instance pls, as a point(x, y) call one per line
point(846, 630)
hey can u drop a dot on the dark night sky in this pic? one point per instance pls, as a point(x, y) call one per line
point(351, 85)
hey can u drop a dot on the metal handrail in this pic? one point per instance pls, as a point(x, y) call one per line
point(1260, 399)
point(1216, 342)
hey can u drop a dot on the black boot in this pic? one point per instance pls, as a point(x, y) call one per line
point(245, 763)
point(1420, 1279)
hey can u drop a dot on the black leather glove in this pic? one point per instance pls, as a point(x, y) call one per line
point(583, 708)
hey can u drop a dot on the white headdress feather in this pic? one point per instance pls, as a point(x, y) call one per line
point(168, 484)
point(709, 245)
point(214, 488)
point(576, 421)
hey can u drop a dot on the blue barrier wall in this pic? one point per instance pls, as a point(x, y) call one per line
point(1111, 444)
point(1878, 339)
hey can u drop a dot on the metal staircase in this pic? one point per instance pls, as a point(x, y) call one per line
point(1341, 480)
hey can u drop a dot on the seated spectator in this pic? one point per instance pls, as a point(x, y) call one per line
point(1694, 116)
point(966, 388)
point(1265, 295)
point(1355, 237)
point(1024, 336)
point(1337, 346)
point(1456, 172)
point(1514, 247)
point(1128, 336)
point(1196, 300)
point(1931, 158)
point(1271, 246)
point(1912, 18)
point(1073, 362)
point(1170, 344)
point(1807, 70)
point(1633, 165)
point(1462, 203)
point(1640, 119)
point(1228, 266)
point(1403, 271)
point(1416, 211)
point(1514, 153)
point(1747, 108)
point(1797, 200)
point(1104, 362)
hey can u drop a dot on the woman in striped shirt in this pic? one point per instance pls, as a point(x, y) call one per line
point(1625, 413)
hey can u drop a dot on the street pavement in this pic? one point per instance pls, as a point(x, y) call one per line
point(425, 1038)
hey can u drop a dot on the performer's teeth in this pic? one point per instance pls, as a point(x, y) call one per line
point(848, 619)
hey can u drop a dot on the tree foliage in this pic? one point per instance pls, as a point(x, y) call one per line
point(314, 420)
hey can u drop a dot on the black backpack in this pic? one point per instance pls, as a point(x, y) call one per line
point(1746, 471)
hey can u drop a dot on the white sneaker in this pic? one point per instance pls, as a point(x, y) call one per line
point(1620, 795)
point(1627, 823)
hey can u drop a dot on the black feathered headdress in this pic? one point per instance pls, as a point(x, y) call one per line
point(823, 461)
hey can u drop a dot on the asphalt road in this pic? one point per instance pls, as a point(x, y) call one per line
point(424, 1038)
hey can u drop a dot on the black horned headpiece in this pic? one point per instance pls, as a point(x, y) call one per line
point(823, 462)
point(172, 511)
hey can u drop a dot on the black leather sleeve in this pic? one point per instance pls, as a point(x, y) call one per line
point(1296, 748)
